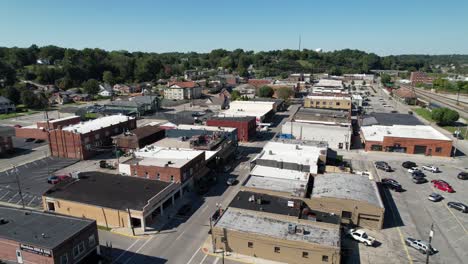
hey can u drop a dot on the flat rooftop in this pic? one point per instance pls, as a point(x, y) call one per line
point(379, 132)
point(96, 124)
point(268, 203)
point(108, 190)
point(294, 187)
point(27, 227)
point(255, 224)
point(233, 118)
point(279, 173)
point(206, 128)
point(328, 97)
point(247, 108)
point(389, 119)
point(346, 186)
point(329, 83)
point(141, 132)
point(177, 143)
point(61, 119)
point(315, 115)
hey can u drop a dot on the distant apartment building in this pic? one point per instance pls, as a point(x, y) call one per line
point(420, 78)
point(328, 102)
point(86, 139)
point(36, 237)
point(182, 91)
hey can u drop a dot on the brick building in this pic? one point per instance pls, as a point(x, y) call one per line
point(328, 102)
point(37, 237)
point(139, 137)
point(246, 126)
point(39, 131)
point(6, 145)
point(84, 140)
point(420, 77)
point(410, 139)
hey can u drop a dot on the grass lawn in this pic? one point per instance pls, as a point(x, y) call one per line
point(426, 114)
point(11, 115)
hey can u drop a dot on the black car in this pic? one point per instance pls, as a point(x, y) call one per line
point(419, 179)
point(39, 141)
point(408, 164)
point(29, 140)
point(462, 175)
point(459, 206)
point(418, 173)
point(184, 210)
point(392, 184)
point(382, 165)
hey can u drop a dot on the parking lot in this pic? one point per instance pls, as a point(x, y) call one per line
point(412, 213)
point(33, 180)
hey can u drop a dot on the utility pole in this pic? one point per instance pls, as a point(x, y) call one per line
point(131, 223)
point(431, 234)
point(19, 186)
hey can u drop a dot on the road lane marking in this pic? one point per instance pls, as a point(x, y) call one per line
point(456, 218)
point(203, 259)
point(125, 251)
point(216, 260)
point(138, 250)
point(194, 254)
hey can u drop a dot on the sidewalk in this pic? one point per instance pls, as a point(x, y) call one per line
point(207, 248)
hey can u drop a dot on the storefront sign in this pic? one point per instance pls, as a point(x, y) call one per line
point(36, 250)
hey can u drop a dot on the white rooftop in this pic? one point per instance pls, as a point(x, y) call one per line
point(378, 132)
point(294, 187)
point(206, 128)
point(106, 121)
point(177, 144)
point(280, 173)
point(357, 97)
point(247, 108)
point(165, 153)
point(256, 224)
point(327, 97)
point(62, 119)
point(329, 83)
point(333, 135)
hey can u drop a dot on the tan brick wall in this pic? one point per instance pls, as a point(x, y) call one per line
point(329, 103)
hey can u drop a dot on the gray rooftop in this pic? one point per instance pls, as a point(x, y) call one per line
point(389, 119)
point(346, 186)
point(253, 223)
point(322, 115)
point(28, 226)
point(293, 187)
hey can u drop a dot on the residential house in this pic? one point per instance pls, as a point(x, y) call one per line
point(6, 105)
point(106, 90)
point(182, 91)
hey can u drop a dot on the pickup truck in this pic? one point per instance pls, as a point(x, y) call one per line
point(421, 246)
point(361, 236)
point(430, 168)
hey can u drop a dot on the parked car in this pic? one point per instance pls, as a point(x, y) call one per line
point(459, 206)
point(419, 179)
point(54, 179)
point(462, 175)
point(382, 165)
point(392, 184)
point(29, 140)
point(418, 173)
point(413, 169)
point(361, 236)
point(421, 246)
point(231, 181)
point(184, 210)
point(430, 168)
point(408, 164)
point(442, 185)
point(39, 141)
point(435, 197)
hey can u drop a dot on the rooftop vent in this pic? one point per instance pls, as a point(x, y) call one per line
point(292, 229)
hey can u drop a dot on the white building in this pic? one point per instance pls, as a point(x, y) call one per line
point(259, 109)
point(337, 137)
point(182, 91)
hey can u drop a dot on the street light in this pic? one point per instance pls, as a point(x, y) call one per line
point(431, 234)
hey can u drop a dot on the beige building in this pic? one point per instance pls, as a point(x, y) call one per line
point(328, 102)
point(112, 200)
point(276, 237)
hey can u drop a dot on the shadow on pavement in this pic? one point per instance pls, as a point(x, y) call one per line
point(349, 250)
point(119, 256)
point(392, 217)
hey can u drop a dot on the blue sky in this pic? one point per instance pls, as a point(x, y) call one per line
point(383, 27)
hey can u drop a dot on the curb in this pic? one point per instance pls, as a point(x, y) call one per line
point(206, 252)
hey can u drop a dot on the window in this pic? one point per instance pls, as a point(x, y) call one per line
point(91, 240)
point(172, 178)
point(330, 103)
point(337, 103)
point(191, 171)
point(324, 103)
point(116, 130)
point(324, 258)
point(305, 254)
point(86, 139)
point(64, 259)
point(97, 136)
point(184, 175)
point(438, 149)
point(107, 133)
point(346, 214)
point(250, 244)
point(78, 249)
point(277, 250)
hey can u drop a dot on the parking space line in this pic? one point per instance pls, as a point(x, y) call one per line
point(206, 255)
point(456, 218)
point(31, 201)
point(194, 254)
point(1, 198)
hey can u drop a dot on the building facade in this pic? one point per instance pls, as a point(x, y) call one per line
point(39, 131)
point(246, 126)
point(37, 237)
point(328, 102)
point(6, 145)
point(182, 91)
point(138, 138)
point(420, 78)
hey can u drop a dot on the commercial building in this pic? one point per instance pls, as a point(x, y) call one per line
point(355, 198)
point(6, 145)
point(139, 137)
point(420, 78)
point(323, 116)
point(276, 237)
point(405, 94)
point(84, 140)
point(168, 165)
point(247, 90)
point(390, 119)
point(182, 91)
point(329, 86)
point(328, 102)
point(337, 137)
point(246, 126)
point(410, 139)
point(112, 200)
point(37, 237)
point(305, 156)
point(261, 110)
point(357, 100)
point(39, 131)
point(134, 106)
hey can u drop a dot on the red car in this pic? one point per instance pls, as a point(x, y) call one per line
point(18, 126)
point(442, 185)
point(56, 178)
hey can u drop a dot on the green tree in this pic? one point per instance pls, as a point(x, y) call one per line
point(445, 116)
point(32, 100)
point(284, 93)
point(148, 69)
point(265, 91)
point(108, 77)
point(7, 73)
point(235, 95)
point(91, 86)
point(385, 79)
point(13, 94)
